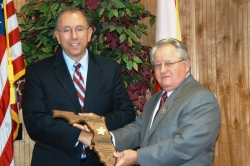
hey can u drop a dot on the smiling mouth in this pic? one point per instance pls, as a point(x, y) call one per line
point(74, 45)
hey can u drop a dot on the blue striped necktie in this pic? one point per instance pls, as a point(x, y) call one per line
point(79, 82)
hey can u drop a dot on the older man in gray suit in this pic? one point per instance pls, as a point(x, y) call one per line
point(184, 129)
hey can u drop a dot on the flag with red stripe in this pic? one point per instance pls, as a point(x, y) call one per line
point(14, 41)
point(11, 69)
point(167, 23)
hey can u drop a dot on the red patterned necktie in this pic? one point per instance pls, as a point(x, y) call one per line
point(163, 99)
point(79, 82)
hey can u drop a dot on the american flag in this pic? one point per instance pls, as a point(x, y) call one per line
point(11, 69)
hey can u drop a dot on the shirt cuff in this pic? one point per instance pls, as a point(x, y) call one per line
point(113, 138)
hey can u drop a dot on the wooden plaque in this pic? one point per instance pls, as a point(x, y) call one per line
point(102, 143)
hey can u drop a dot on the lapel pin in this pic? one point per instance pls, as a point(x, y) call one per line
point(163, 111)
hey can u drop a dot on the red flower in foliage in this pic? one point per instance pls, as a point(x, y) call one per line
point(125, 22)
point(138, 99)
point(144, 15)
point(124, 46)
point(108, 37)
point(113, 44)
point(113, 20)
point(129, 56)
point(93, 4)
point(134, 97)
point(37, 17)
point(115, 41)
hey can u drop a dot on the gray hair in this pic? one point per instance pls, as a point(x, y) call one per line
point(182, 50)
point(72, 10)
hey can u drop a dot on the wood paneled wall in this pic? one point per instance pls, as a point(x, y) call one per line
point(217, 34)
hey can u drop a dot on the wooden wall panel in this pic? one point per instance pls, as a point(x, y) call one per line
point(221, 51)
point(23, 148)
point(18, 4)
point(217, 34)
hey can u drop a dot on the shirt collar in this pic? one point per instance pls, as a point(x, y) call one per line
point(83, 61)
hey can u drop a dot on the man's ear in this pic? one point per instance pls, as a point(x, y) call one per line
point(57, 36)
point(90, 31)
point(188, 65)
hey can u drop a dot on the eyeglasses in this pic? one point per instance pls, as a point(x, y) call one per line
point(168, 64)
point(68, 31)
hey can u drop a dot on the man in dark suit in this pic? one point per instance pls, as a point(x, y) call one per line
point(49, 86)
point(184, 130)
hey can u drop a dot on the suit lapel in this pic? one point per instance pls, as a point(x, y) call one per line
point(147, 121)
point(162, 112)
point(165, 108)
point(93, 79)
point(65, 80)
point(148, 118)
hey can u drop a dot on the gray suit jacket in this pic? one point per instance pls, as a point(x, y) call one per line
point(183, 133)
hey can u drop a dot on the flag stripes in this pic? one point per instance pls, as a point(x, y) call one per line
point(10, 8)
point(4, 106)
point(3, 45)
point(15, 41)
point(6, 137)
point(6, 150)
point(11, 69)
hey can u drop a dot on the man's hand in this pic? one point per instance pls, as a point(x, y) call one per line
point(126, 158)
point(85, 136)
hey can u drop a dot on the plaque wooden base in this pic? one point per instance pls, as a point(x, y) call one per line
point(102, 142)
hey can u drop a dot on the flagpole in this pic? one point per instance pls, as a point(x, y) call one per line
point(10, 65)
point(178, 27)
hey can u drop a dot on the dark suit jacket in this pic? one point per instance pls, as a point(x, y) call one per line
point(183, 133)
point(49, 86)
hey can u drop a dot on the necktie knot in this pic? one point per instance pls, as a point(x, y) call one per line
point(77, 66)
point(163, 98)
